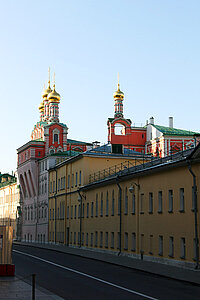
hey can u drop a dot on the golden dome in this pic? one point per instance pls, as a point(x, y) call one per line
point(54, 96)
point(46, 92)
point(41, 106)
point(118, 93)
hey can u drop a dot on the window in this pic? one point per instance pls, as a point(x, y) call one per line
point(72, 180)
point(96, 238)
point(67, 212)
point(160, 245)
point(112, 240)
point(59, 184)
point(126, 202)
point(55, 137)
point(142, 203)
point(75, 212)
point(79, 211)
point(171, 246)
point(160, 202)
point(79, 238)
point(87, 210)
point(91, 240)
point(101, 239)
point(126, 241)
point(51, 187)
point(151, 244)
point(101, 213)
point(182, 202)
point(76, 179)
point(106, 240)
point(118, 240)
point(71, 211)
point(97, 209)
point(68, 182)
point(170, 194)
point(92, 209)
point(113, 203)
point(107, 204)
point(183, 248)
point(119, 204)
point(86, 240)
point(133, 241)
point(82, 241)
point(80, 178)
point(74, 237)
point(150, 203)
point(50, 214)
point(133, 203)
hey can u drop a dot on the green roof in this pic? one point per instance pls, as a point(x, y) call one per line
point(174, 131)
point(66, 153)
point(69, 141)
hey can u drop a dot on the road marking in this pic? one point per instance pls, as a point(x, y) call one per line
point(87, 275)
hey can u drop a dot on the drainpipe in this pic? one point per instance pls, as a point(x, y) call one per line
point(55, 207)
point(120, 216)
point(195, 216)
point(80, 200)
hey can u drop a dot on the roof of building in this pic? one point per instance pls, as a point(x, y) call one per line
point(69, 153)
point(107, 149)
point(7, 179)
point(174, 131)
point(70, 141)
point(180, 158)
point(112, 119)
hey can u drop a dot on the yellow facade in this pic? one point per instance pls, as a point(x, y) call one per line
point(64, 182)
point(153, 219)
point(9, 201)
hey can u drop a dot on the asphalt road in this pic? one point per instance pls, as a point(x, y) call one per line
point(75, 278)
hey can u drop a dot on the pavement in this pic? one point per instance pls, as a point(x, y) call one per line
point(15, 288)
point(190, 275)
point(20, 288)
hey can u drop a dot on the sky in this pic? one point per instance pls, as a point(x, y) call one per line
point(154, 45)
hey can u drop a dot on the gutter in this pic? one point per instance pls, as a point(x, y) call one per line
point(195, 215)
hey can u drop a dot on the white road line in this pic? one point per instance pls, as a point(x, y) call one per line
point(87, 275)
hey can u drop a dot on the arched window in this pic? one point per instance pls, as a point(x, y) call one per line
point(119, 129)
point(55, 137)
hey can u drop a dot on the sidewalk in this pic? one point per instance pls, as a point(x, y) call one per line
point(178, 273)
point(12, 288)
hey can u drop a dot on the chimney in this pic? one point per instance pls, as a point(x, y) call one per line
point(151, 121)
point(170, 122)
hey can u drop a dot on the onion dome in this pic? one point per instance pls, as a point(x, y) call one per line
point(118, 94)
point(54, 96)
point(46, 92)
point(41, 106)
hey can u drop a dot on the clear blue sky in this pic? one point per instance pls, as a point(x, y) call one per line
point(154, 45)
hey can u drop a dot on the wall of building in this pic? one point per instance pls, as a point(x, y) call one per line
point(157, 231)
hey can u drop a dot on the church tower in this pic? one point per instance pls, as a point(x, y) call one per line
point(118, 97)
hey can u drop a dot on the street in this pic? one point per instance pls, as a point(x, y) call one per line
point(75, 278)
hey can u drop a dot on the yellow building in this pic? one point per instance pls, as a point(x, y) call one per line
point(146, 211)
point(9, 201)
point(65, 181)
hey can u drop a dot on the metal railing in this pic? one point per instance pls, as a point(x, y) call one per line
point(134, 166)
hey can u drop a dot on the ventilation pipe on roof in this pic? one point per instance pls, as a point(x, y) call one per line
point(151, 121)
point(170, 122)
